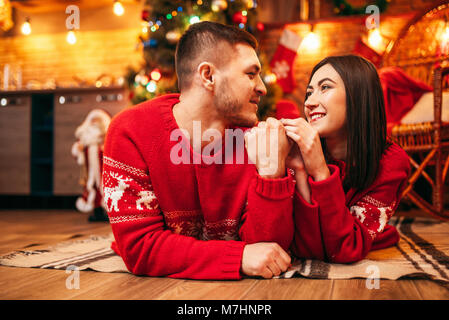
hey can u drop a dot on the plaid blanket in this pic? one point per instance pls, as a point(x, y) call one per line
point(422, 253)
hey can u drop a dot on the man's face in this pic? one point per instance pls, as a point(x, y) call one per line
point(239, 87)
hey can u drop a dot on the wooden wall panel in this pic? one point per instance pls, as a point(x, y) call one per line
point(67, 117)
point(15, 147)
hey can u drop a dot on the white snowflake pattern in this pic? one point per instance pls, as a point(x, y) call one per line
point(281, 69)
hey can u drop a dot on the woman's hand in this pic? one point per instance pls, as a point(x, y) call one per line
point(295, 162)
point(308, 141)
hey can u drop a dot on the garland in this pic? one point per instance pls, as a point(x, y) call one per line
point(344, 8)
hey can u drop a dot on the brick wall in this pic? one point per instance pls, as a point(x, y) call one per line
point(106, 45)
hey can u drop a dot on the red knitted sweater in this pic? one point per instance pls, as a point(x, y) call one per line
point(162, 213)
point(343, 227)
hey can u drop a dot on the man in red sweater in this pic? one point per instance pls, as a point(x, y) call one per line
point(206, 214)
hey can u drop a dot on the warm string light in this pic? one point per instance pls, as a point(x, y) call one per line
point(194, 19)
point(311, 41)
point(155, 75)
point(375, 39)
point(251, 4)
point(149, 82)
point(270, 78)
point(445, 40)
point(26, 27)
point(144, 27)
point(118, 8)
point(172, 36)
point(445, 37)
point(71, 37)
point(218, 5)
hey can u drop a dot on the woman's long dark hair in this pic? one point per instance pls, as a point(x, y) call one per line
point(366, 120)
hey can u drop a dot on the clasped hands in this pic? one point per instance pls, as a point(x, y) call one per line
point(273, 146)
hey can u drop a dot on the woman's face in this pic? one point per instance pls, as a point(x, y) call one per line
point(325, 105)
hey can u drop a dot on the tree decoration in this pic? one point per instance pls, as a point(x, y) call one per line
point(173, 36)
point(219, 5)
point(239, 17)
point(344, 8)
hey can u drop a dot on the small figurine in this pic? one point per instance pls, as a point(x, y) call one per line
point(88, 151)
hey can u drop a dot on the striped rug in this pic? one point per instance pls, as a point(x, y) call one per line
point(422, 253)
point(93, 253)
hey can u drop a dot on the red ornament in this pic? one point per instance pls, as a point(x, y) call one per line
point(145, 15)
point(260, 26)
point(238, 18)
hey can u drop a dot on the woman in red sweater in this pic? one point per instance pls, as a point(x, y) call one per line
point(349, 177)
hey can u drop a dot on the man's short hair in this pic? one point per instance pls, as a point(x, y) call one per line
point(201, 42)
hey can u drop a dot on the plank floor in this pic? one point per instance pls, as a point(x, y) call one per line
point(21, 229)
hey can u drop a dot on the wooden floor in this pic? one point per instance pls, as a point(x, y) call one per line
point(22, 229)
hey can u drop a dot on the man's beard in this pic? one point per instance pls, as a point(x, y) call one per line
point(231, 109)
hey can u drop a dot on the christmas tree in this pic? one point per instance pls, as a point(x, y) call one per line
point(163, 23)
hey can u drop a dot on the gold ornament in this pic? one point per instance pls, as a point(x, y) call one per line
point(250, 4)
point(219, 5)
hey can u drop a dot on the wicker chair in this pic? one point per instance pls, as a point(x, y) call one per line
point(431, 141)
point(415, 51)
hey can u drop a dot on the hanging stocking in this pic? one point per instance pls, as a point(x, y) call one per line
point(283, 59)
point(365, 51)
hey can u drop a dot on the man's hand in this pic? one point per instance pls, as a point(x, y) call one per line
point(294, 159)
point(268, 146)
point(265, 259)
